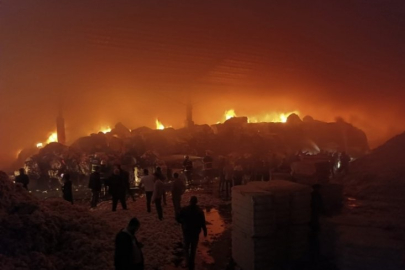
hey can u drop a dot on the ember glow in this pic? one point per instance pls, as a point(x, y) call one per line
point(39, 145)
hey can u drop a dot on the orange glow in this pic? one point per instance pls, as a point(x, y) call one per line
point(39, 145)
point(52, 138)
point(159, 125)
point(275, 117)
point(105, 130)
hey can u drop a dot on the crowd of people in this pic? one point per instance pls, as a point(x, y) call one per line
point(128, 251)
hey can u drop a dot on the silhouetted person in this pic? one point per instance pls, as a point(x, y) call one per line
point(125, 177)
point(238, 175)
point(148, 182)
point(117, 189)
point(178, 189)
point(159, 175)
point(344, 162)
point(128, 251)
point(221, 174)
point(23, 178)
point(67, 188)
point(158, 191)
point(192, 220)
point(208, 166)
point(266, 170)
point(104, 175)
point(188, 169)
point(228, 172)
point(95, 186)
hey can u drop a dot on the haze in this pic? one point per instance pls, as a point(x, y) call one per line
point(135, 61)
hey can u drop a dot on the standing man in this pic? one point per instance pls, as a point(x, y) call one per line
point(192, 220)
point(117, 188)
point(23, 179)
point(128, 251)
point(159, 175)
point(178, 189)
point(208, 162)
point(95, 186)
point(148, 182)
point(188, 169)
point(67, 188)
point(158, 191)
point(228, 172)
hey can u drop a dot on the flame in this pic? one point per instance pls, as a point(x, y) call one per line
point(105, 130)
point(39, 145)
point(275, 117)
point(52, 138)
point(159, 125)
point(230, 114)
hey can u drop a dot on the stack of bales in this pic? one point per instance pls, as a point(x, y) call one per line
point(270, 223)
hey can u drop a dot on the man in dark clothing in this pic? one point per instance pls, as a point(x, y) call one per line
point(344, 162)
point(192, 219)
point(67, 188)
point(117, 189)
point(128, 251)
point(95, 186)
point(178, 189)
point(188, 169)
point(23, 179)
point(208, 166)
point(125, 177)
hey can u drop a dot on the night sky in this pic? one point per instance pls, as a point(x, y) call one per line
point(133, 61)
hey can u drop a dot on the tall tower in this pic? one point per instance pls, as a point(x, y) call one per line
point(189, 115)
point(60, 128)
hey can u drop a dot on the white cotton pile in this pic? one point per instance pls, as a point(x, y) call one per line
point(49, 235)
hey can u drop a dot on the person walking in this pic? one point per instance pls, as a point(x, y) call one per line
point(192, 220)
point(67, 188)
point(148, 183)
point(95, 186)
point(128, 251)
point(159, 175)
point(158, 191)
point(23, 178)
point(228, 172)
point(188, 169)
point(178, 189)
point(117, 189)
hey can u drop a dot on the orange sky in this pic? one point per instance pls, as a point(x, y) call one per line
point(133, 61)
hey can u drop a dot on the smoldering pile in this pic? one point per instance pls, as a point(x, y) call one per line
point(49, 234)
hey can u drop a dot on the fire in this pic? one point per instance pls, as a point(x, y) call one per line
point(275, 117)
point(159, 125)
point(105, 130)
point(230, 114)
point(52, 138)
point(39, 145)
